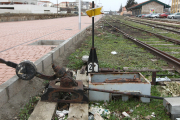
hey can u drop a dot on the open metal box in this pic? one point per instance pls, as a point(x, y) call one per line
point(124, 83)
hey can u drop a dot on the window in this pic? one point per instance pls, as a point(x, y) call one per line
point(6, 7)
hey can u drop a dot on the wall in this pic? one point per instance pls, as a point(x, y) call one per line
point(27, 9)
point(157, 7)
point(136, 11)
point(24, 17)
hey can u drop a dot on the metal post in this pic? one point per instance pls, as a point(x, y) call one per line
point(153, 78)
point(95, 7)
point(92, 61)
point(57, 6)
point(79, 14)
point(92, 26)
point(92, 39)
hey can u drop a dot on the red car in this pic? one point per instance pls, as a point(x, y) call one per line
point(164, 15)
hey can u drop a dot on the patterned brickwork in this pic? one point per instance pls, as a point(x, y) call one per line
point(15, 37)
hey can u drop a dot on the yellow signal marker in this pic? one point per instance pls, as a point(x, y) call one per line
point(93, 12)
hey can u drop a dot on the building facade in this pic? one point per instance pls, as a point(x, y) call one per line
point(72, 7)
point(45, 3)
point(175, 7)
point(7, 2)
point(148, 7)
point(125, 12)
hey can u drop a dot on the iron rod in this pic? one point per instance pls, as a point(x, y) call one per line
point(124, 93)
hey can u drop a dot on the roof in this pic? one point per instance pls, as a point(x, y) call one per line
point(45, 1)
point(11, 2)
point(64, 2)
point(146, 2)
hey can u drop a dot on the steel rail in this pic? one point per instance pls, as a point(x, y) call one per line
point(158, 23)
point(175, 41)
point(170, 59)
point(160, 36)
point(150, 24)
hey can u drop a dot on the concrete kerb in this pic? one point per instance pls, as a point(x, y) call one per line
point(11, 87)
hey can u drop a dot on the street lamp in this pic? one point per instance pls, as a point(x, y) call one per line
point(57, 6)
point(79, 14)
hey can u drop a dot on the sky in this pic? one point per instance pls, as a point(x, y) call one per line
point(108, 5)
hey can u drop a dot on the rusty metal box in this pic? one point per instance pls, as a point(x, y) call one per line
point(97, 81)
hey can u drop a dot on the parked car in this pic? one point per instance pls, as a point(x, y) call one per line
point(143, 15)
point(177, 16)
point(156, 15)
point(140, 15)
point(164, 15)
point(76, 13)
point(174, 16)
point(147, 16)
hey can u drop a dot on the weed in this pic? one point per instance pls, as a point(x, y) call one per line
point(139, 109)
point(28, 108)
point(128, 53)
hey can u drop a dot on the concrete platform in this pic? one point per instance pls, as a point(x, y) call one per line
point(15, 38)
point(173, 106)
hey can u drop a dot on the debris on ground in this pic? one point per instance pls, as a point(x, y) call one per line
point(85, 58)
point(61, 114)
point(113, 52)
point(153, 114)
point(99, 110)
point(98, 117)
point(148, 117)
point(131, 110)
point(125, 114)
point(172, 89)
point(91, 117)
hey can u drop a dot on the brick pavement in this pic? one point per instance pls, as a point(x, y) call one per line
point(15, 37)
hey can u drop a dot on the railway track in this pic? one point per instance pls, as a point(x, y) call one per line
point(175, 41)
point(155, 25)
point(164, 21)
point(166, 25)
point(170, 59)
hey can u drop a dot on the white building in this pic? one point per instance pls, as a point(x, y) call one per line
point(26, 9)
point(27, 6)
point(45, 3)
point(6, 2)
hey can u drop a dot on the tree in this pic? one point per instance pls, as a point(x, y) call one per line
point(130, 3)
point(120, 9)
